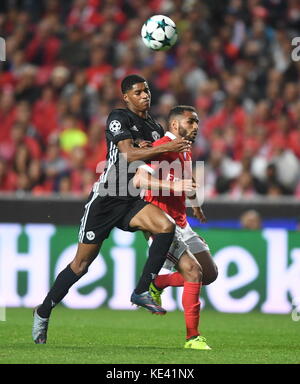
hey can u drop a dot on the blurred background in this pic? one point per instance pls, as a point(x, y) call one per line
point(61, 78)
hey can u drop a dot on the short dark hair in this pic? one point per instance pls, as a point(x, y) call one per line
point(179, 110)
point(129, 81)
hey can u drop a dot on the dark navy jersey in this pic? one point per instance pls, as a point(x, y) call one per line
point(123, 124)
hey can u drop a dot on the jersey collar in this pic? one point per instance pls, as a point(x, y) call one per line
point(170, 135)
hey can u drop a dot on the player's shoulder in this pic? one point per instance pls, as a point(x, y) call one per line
point(118, 119)
point(118, 113)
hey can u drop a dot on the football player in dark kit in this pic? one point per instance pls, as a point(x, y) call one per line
point(110, 204)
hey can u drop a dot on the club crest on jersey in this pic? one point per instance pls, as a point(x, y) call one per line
point(155, 135)
point(115, 127)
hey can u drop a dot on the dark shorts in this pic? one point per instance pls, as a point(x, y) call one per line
point(102, 214)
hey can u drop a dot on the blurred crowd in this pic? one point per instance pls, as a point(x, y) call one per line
point(66, 59)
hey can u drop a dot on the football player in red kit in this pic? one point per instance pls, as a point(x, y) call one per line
point(189, 253)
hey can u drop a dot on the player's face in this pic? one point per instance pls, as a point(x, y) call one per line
point(188, 125)
point(138, 98)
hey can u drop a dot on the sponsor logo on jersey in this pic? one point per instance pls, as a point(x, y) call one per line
point(134, 128)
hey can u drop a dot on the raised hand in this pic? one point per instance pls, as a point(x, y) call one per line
point(184, 186)
point(199, 214)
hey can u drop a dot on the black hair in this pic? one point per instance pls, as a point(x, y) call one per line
point(179, 110)
point(129, 81)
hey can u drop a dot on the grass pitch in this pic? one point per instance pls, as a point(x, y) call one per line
point(133, 337)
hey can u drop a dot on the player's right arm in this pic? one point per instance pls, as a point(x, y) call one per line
point(134, 154)
point(118, 132)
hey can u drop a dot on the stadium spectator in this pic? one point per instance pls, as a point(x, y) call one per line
point(26, 88)
point(243, 186)
point(43, 49)
point(7, 178)
point(287, 167)
point(74, 51)
point(7, 114)
point(53, 165)
point(88, 94)
point(99, 67)
point(44, 113)
point(71, 135)
point(96, 146)
point(251, 219)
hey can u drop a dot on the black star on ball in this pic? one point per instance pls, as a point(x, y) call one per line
point(162, 24)
point(149, 36)
point(166, 42)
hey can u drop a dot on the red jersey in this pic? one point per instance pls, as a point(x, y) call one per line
point(171, 204)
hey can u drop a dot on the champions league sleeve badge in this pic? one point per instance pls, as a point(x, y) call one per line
point(115, 127)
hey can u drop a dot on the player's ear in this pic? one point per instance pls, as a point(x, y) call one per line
point(174, 124)
point(125, 97)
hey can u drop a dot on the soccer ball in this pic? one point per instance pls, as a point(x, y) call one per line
point(159, 33)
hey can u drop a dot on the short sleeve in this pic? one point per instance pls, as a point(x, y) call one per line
point(118, 127)
point(147, 168)
point(152, 165)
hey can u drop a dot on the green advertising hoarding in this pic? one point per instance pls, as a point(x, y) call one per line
point(258, 270)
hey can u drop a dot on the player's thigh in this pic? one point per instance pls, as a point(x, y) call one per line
point(189, 267)
point(209, 267)
point(85, 255)
point(152, 219)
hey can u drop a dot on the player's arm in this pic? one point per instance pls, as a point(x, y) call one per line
point(135, 154)
point(145, 180)
point(197, 210)
point(118, 131)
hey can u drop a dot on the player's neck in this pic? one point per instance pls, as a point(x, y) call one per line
point(176, 134)
point(142, 114)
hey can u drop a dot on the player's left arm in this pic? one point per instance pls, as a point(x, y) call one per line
point(197, 210)
point(145, 180)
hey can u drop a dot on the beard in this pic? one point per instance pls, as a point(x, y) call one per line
point(191, 138)
point(183, 133)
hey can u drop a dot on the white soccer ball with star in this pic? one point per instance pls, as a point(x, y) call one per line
point(159, 33)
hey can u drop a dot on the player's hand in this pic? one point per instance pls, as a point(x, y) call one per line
point(199, 214)
point(178, 145)
point(184, 186)
point(143, 143)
